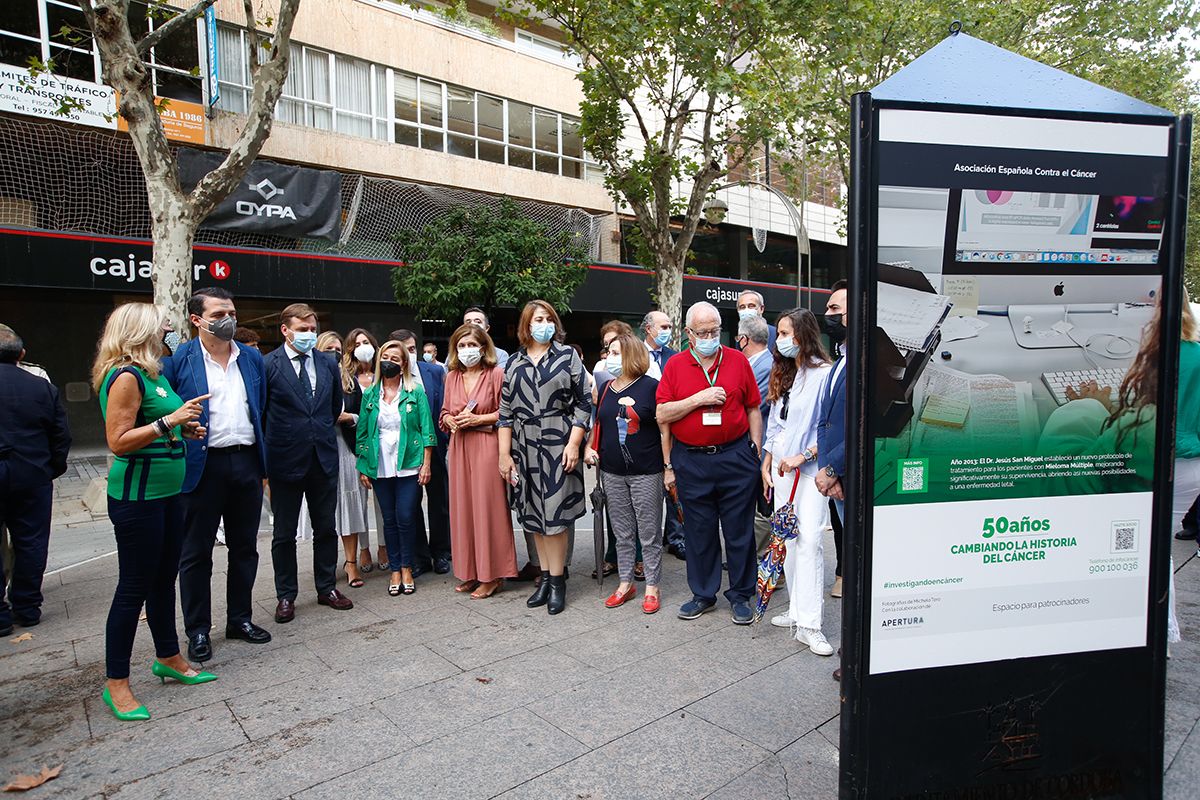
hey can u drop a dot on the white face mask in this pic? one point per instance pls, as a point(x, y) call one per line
point(364, 353)
point(469, 356)
point(612, 365)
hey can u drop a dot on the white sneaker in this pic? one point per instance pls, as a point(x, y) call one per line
point(782, 621)
point(836, 591)
point(815, 640)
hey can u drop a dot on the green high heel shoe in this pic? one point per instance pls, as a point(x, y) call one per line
point(162, 672)
point(138, 714)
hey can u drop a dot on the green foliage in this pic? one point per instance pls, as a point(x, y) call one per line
point(486, 256)
point(697, 84)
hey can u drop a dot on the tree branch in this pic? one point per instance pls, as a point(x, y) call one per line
point(169, 27)
point(268, 85)
point(251, 34)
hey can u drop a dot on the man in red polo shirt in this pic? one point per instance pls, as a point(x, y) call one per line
point(709, 399)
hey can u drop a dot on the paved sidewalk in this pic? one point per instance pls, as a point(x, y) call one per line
point(436, 695)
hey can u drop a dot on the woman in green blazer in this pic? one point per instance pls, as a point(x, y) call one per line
point(394, 446)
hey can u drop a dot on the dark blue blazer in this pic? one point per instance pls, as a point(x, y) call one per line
point(298, 428)
point(34, 437)
point(662, 355)
point(185, 372)
point(831, 422)
point(434, 378)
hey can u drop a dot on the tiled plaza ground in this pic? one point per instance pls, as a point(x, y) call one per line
point(436, 695)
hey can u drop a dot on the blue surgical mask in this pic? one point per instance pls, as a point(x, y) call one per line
point(663, 338)
point(542, 332)
point(612, 365)
point(303, 341)
point(427, 357)
point(787, 346)
point(747, 313)
point(706, 347)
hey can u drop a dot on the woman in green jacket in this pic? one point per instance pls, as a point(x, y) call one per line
point(394, 447)
point(143, 422)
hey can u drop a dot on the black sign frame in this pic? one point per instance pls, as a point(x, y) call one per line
point(928, 733)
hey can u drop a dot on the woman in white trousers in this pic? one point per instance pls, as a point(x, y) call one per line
point(800, 371)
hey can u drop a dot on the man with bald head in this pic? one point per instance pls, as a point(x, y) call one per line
point(709, 400)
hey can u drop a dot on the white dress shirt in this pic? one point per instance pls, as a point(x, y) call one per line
point(308, 365)
point(228, 408)
point(389, 439)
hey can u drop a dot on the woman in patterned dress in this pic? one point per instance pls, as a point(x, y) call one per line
point(545, 411)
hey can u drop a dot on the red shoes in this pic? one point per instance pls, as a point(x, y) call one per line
point(650, 604)
point(616, 599)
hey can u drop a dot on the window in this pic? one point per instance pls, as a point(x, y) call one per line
point(56, 30)
point(323, 90)
point(548, 49)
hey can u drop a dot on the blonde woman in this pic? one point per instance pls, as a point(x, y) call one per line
point(394, 448)
point(143, 422)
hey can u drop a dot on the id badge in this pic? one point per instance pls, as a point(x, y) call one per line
point(711, 418)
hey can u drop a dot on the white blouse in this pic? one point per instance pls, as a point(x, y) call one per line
point(798, 432)
point(389, 440)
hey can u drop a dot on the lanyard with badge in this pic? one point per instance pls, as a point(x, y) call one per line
point(710, 417)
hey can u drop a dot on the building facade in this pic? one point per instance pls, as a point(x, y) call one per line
point(414, 109)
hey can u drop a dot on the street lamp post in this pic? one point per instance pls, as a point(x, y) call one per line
point(715, 210)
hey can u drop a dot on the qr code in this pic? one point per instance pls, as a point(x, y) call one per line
point(1124, 536)
point(913, 477)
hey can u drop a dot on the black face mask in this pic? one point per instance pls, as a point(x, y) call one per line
point(835, 328)
point(389, 369)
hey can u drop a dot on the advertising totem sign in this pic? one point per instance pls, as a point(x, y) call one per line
point(1015, 317)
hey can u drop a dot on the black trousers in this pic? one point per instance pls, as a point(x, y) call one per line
point(435, 544)
point(321, 492)
point(149, 536)
point(25, 510)
point(835, 522)
point(229, 489)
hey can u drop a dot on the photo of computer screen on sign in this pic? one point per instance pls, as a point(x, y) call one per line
point(1046, 293)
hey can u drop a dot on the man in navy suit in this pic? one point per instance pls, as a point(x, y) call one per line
point(433, 552)
point(657, 328)
point(831, 427)
point(225, 470)
point(34, 442)
point(304, 401)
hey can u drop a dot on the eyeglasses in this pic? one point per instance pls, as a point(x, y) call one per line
point(711, 333)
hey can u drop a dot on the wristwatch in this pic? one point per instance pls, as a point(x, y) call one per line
point(829, 471)
point(668, 466)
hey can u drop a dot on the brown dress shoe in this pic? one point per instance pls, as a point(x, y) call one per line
point(285, 611)
point(336, 600)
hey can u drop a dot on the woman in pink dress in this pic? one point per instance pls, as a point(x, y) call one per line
point(481, 534)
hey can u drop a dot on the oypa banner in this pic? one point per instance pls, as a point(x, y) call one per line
point(271, 198)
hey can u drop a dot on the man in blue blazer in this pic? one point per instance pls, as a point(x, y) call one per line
point(225, 470)
point(434, 552)
point(304, 400)
point(656, 330)
point(831, 416)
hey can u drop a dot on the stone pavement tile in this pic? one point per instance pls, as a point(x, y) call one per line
point(464, 700)
point(138, 749)
point(349, 649)
point(1182, 713)
point(37, 723)
point(234, 678)
point(282, 765)
point(1183, 773)
point(806, 768)
point(495, 641)
point(481, 760)
point(312, 621)
point(775, 706)
point(632, 636)
point(677, 756)
point(264, 713)
point(25, 659)
point(832, 730)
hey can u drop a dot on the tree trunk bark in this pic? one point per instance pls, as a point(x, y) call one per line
point(171, 277)
point(668, 288)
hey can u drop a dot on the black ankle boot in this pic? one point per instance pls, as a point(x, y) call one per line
point(558, 594)
point(541, 593)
